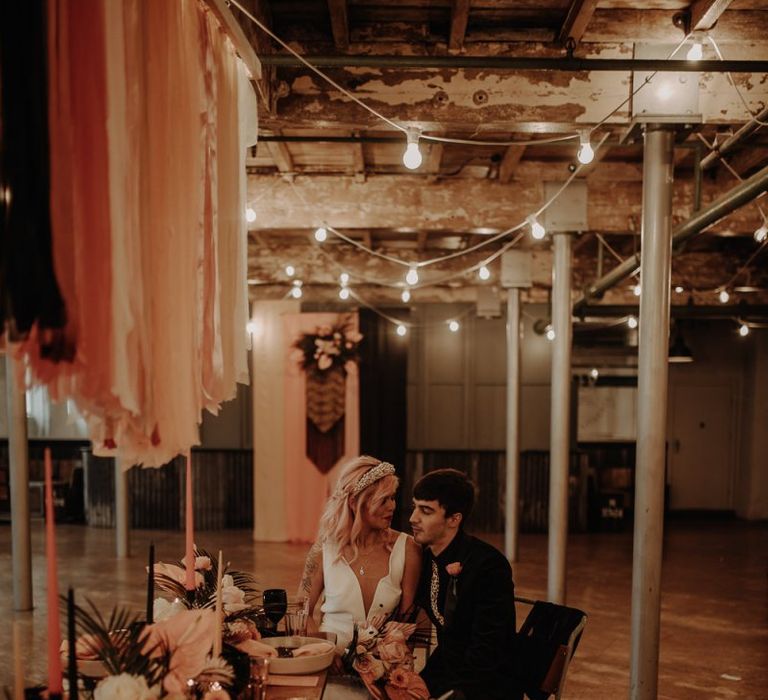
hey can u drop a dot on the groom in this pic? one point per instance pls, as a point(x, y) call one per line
point(467, 591)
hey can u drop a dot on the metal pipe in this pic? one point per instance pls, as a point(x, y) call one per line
point(697, 172)
point(719, 311)
point(728, 145)
point(122, 512)
point(18, 460)
point(656, 248)
point(559, 438)
point(512, 500)
point(520, 63)
point(744, 192)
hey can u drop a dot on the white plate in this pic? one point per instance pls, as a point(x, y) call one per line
point(301, 665)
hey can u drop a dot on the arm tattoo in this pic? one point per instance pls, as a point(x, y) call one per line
point(310, 567)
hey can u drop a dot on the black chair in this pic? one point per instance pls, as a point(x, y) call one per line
point(545, 646)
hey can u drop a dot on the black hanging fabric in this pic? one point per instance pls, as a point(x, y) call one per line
point(29, 291)
point(383, 381)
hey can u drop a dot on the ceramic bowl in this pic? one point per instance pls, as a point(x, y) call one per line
point(302, 664)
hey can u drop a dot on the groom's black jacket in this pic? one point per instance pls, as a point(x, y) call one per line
point(475, 648)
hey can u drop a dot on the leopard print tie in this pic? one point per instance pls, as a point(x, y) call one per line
point(434, 588)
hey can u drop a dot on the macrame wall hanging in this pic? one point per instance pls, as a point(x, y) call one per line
point(325, 354)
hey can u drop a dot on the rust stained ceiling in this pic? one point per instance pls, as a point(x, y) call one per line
point(323, 158)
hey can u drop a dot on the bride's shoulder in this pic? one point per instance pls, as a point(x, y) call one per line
point(410, 543)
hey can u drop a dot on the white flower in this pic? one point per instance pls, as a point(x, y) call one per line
point(232, 597)
point(124, 687)
point(162, 609)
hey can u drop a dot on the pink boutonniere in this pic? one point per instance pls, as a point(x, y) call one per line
point(454, 569)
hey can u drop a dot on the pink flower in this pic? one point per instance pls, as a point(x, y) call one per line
point(454, 569)
point(369, 667)
point(393, 651)
point(406, 685)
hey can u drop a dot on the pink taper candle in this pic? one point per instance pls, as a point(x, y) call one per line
point(54, 639)
point(189, 579)
point(18, 665)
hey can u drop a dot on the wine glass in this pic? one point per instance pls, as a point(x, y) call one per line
point(275, 605)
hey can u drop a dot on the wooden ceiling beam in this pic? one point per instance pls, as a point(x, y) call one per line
point(509, 163)
point(575, 24)
point(409, 202)
point(459, 20)
point(339, 23)
point(434, 160)
point(282, 157)
point(358, 160)
point(705, 13)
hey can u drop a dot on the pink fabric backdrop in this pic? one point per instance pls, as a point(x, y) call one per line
point(306, 489)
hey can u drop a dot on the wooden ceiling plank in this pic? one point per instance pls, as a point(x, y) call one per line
point(339, 23)
point(509, 163)
point(575, 24)
point(434, 160)
point(459, 20)
point(705, 13)
point(281, 155)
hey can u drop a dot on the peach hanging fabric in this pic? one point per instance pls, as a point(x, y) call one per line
point(306, 489)
point(145, 155)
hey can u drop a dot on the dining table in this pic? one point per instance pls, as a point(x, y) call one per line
point(327, 687)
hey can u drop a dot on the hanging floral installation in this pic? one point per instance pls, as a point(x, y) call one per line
point(325, 355)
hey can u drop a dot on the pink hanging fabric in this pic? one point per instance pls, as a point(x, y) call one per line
point(306, 489)
point(147, 238)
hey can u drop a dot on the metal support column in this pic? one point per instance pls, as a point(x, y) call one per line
point(122, 512)
point(559, 438)
point(656, 260)
point(18, 460)
point(512, 501)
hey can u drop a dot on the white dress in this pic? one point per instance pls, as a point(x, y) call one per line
point(343, 605)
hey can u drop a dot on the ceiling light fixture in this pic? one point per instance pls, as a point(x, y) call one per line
point(697, 48)
point(723, 296)
point(344, 279)
point(743, 330)
point(296, 292)
point(632, 322)
point(401, 329)
point(250, 215)
point(453, 326)
point(321, 234)
point(537, 230)
point(550, 333)
point(586, 153)
point(406, 296)
point(637, 290)
point(344, 293)
point(761, 233)
point(412, 277)
point(484, 273)
point(679, 289)
point(412, 156)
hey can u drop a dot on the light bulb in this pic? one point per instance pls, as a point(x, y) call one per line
point(297, 283)
point(250, 215)
point(723, 296)
point(401, 329)
point(453, 326)
point(550, 333)
point(696, 51)
point(290, 270)
point(586, 153)
point(405, 296)
point(537, 230)
point(344, 279)
point(484, 273)
point(296, 292)
point(743, 330)
point(344, 293)
point(636, 290)
point(251, 327)
point(413, 276)
point(594, 373)
point(679, 289)
point(412, 156)
point(762, 233)
point(632, 322)
point(321, 234)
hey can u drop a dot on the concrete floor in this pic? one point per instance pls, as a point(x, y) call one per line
point(714, 641)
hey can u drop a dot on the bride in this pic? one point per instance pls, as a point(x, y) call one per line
point(364, 568)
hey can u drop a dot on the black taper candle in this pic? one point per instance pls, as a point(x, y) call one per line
point(72, 643)
point(151, 584)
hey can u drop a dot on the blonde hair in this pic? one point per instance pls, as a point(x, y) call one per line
point(341, 522)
